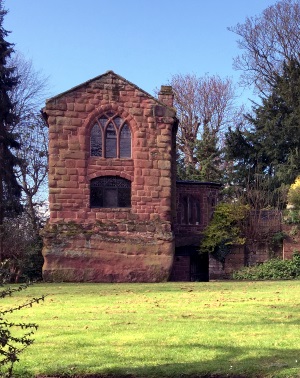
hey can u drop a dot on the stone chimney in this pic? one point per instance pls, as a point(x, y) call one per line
point(166, 95)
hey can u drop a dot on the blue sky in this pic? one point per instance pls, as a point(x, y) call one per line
point(145, 41)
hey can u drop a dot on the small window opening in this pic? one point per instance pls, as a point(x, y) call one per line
point(110, 192)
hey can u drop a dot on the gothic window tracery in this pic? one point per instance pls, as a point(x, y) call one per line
point(110, 137)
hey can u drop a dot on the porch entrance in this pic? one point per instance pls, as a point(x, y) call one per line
point(190, 265)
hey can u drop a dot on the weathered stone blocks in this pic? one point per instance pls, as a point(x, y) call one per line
point(139, 245)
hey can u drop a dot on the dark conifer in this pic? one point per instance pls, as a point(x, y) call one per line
point(9, 189)
point(271, 147)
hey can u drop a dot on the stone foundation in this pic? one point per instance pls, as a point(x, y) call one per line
point(102, 253)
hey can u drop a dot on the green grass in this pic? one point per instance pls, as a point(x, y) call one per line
point(163, 330)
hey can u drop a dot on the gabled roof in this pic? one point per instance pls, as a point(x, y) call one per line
point(107, 73)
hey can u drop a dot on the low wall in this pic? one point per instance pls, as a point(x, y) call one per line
point(291, 242)
point(251, 254)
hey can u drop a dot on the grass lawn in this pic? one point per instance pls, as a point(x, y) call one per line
point(163, 330)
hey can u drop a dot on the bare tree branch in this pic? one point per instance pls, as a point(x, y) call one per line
point(28, 97)
point(266, 42)
point(204, 104)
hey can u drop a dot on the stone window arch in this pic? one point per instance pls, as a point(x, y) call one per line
point(110, 137)
point(110, 192)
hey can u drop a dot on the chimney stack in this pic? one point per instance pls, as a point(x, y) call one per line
point(166, 95)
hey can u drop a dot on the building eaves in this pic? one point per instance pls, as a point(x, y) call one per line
point(200, 183)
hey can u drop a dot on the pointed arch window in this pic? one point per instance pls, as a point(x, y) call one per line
point(96, 141)
point(110, 137)
point(110, 141)
point(125, 141)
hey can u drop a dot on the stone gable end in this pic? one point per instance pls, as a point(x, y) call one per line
point(87, 243)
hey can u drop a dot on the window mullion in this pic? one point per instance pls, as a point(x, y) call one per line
point(118, 144)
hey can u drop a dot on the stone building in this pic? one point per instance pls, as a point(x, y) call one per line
point(116, 211)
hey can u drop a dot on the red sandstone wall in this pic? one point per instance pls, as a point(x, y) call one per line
point(108, 252)
point(70, 117)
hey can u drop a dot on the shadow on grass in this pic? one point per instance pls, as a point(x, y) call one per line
point(229, 362)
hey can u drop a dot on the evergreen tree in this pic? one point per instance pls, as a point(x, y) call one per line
point(270, 149)
point(9, 189)
point(208, 160)
point(208, 154)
